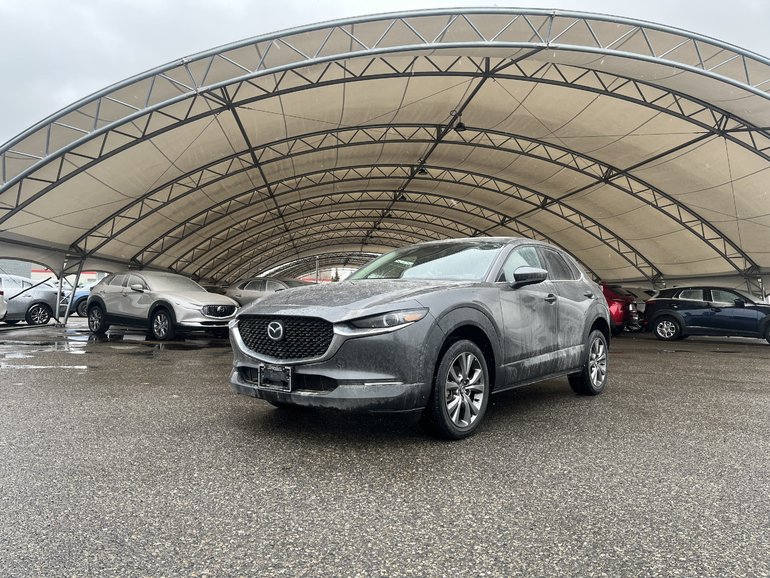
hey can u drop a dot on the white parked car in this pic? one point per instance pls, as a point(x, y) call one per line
point(162, 303)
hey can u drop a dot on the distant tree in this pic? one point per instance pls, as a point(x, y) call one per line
point(336, 276)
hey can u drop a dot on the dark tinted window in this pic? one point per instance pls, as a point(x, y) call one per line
point(558, 270)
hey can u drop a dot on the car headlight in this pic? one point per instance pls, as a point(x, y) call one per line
point(188, 306)
point(389, 320)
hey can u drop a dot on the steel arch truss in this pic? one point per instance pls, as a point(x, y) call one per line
point(305, 266)
point(367, 174)
point(594, 169)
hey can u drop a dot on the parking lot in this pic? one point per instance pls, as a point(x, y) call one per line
point(129, 457)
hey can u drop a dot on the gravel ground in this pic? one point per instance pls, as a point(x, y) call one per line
point(130, 458)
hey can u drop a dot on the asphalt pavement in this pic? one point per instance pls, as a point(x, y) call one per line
point(127, 457)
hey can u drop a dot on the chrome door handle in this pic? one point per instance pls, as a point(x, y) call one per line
point(551, 298)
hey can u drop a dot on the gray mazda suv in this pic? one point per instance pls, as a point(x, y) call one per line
point(432, 328)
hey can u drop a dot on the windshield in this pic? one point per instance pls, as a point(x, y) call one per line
point(466, 261)
point(174, 283)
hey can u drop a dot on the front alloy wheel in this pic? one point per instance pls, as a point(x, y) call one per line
point(461, 391)
point(162, 325)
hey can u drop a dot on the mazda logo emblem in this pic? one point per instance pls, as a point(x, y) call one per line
point(275, 330)
point(221, 309)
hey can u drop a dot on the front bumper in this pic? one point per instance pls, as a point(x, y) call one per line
point(389, 372)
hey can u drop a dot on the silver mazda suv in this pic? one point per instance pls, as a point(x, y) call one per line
point(433, 328)
point(162, 303)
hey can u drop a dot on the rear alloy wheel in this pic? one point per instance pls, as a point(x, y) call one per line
point(162, 325)
point(97, 323)
point(592, 380)
point(667, 329)
point(460, 392)
point(38, 314)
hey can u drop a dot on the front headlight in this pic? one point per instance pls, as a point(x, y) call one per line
point(390, 320)
point(188, 306)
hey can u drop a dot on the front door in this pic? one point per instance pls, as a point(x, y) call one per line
point(728, 318)
point(530, 317)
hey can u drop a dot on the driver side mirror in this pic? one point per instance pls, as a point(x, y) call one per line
point(528, 276)
point(740, 303)
point(137, 287)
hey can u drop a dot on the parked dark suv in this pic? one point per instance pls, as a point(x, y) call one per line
point(433, 328)
point(679, 312)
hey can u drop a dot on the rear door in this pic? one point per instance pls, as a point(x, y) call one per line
point(112, 295)
point(692, 304)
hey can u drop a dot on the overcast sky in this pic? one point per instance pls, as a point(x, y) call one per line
point(54, 52)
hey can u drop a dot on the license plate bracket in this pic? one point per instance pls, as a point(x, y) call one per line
point(275, 377)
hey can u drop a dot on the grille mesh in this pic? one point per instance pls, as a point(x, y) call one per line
point(303, 337)
point(218, 310)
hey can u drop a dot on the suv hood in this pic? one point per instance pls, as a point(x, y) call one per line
point(348, 299)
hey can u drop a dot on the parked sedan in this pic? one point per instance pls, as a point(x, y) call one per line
point(432, 328)
point(161, 303)
point(679, 312)
point(28, 300)
point(247, 290)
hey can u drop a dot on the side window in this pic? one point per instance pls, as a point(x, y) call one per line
point(558, 270)
point(519, 257)
point(272, 286)
point(726, 297)
point(118, 281)
point(11, 283)
point(692, 294)
point(134, 280)
point(255, 285)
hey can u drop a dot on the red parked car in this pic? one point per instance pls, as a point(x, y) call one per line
point(623, 311)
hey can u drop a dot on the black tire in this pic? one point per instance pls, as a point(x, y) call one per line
point(97, 322)
point(592, 380)
point(80, 308)
point(220, 333)
point(667, 328)
point(162, 325)
point(38, 314)
point(460, 393)
point(767, 332)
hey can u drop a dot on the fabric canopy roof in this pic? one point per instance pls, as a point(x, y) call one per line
point(642, 150)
